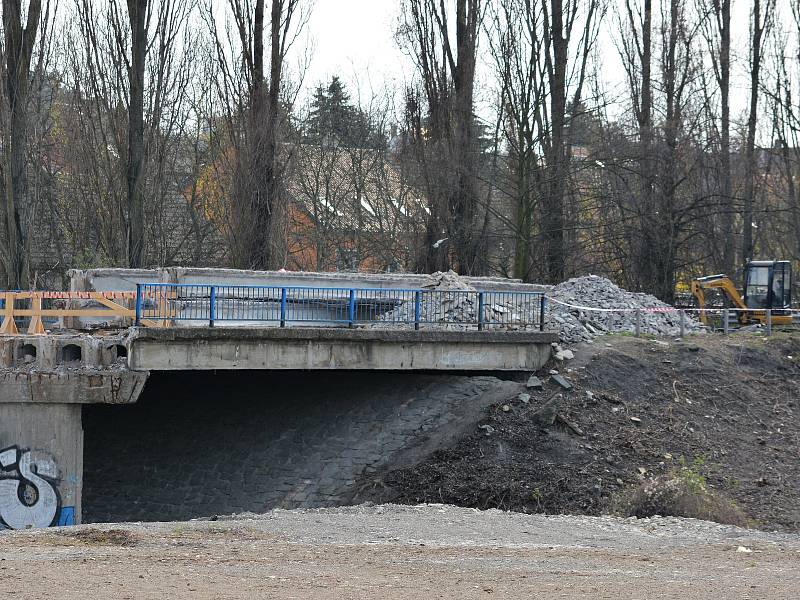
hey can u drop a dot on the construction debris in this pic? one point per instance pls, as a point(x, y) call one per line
point(450, 280)
point(580, 309)
point(534, 383)
point(569, 304)
point(561, 381)
point(546, 414)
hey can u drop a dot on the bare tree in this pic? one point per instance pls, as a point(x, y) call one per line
point(536, 67)
point(716, 15)
point(18, 50)
point(130, 130)
point(762, 16)
point(635, 44)
point(445, 127)
point(253, 107)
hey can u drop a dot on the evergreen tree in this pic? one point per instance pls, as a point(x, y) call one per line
point(334, 119)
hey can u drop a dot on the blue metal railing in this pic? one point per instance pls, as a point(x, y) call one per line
point(376, 307)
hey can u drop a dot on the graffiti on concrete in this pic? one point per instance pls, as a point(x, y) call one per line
point(29, 498)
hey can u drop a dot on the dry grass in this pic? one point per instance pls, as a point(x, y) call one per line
point(102, 537)
point(683, 492)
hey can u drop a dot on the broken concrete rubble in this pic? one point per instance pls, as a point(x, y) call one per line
point(534, 383)
point(570, 305)
point(561, 381)
point(546, 414)
point(581, 309)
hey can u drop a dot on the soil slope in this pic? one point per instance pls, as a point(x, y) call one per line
point(641, 407)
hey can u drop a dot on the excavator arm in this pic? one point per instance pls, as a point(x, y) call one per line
point(719, 282)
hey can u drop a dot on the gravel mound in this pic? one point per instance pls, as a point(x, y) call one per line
point(447, 281)
point(581, 325)
point(457, 308)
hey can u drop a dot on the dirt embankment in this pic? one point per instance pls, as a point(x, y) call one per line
point(727, 407)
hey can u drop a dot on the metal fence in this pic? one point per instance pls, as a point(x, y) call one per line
point(390, 308)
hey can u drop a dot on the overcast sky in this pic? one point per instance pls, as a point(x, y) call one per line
point(356, 40)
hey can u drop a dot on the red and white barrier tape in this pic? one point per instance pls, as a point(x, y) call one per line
point(659, 309)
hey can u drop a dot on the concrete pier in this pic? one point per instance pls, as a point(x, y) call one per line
point(44, 381)
point(41, 465)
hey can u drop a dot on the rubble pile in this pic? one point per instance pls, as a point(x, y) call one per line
point(450, 280)
point(580, 325)
point(457, 308)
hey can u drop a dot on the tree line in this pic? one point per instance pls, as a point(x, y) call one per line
point(159, 132)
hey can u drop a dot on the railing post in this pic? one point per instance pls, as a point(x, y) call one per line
point(9, 326)
point(638, 325)
point(480, 311)
point(212, 306)
point(725, 324)
point(541, 312)
point(417, 298)
point(682, 315)
point(769, 321)
point(138, 304)
point(283, 307)
point(351, 308)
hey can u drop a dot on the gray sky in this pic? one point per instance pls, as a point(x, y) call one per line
point(356, 40)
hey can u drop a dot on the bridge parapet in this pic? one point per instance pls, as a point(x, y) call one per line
point(167, 305)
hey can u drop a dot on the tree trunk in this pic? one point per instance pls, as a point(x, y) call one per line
point(19, 49)
point(137, 12)
point(465, 196)
point(758, 28)
point(553, 202)
point(643, 250)
point(728, 249)
point(277, 206)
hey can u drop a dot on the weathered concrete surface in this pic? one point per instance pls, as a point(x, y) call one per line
point(71, 386)
point(328, 348)
point(41, 465)
point(216, 443)
point(44, 380)
point(47, 352)
point(103, 280)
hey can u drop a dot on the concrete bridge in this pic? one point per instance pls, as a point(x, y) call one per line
point(49, 382)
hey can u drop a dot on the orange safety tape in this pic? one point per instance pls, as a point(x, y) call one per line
point(79, 295)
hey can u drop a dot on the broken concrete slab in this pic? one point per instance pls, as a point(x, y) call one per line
point(547, 413)
point(71, 386)
point(534, 383)
point(561, 381)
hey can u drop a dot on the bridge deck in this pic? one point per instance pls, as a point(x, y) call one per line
point(337, 348)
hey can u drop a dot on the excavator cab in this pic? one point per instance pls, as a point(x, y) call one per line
point(767, 285)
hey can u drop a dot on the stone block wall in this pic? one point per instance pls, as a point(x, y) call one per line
point(204, 444)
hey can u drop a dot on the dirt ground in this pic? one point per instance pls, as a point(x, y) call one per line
point(642, 407)
point(393, 552)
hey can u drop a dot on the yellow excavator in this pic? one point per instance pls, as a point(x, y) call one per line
point(767, 285)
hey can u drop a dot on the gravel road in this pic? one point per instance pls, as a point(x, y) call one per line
point(391, 552)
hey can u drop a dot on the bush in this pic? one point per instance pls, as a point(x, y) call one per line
point(683, 492)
